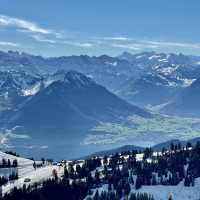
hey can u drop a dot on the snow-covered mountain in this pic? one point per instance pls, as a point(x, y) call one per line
point(15, 86)
point(106, 70)
point(65, 110)
point(74, 99)
point(150, 89)
point(187, 102)
point(121, 75)
point(161, 75)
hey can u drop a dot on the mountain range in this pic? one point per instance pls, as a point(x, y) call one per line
point(186, 103)
point(130, 76)
point(66, 99)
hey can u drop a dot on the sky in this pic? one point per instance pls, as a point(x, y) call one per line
point(96, 27)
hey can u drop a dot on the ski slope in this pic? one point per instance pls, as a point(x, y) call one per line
point(26, 170)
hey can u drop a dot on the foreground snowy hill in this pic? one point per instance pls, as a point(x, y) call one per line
point(26, 170)
point(124, 175)
point(161, 192)
point(137, 175)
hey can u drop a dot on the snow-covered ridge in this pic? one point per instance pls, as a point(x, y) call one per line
point(26, 85)
point(112, 63)
point(32, 90)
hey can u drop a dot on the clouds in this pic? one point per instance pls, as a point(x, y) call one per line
point(41, 38)
point(8, 21)
point(32, 35)
point(174, 44)
point(79, 44)
point(86, 45)
point(62, 41)
point(126, 43)
point(134, 47)
point(28, 29)
point(118, 38)
point(10, 44)
point(38, 33)
point(134, 44)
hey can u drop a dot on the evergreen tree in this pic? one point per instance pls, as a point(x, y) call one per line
point(138, 183)
point(170, 197)
point(187, 181)
point(15, 163)
point(127, 189)
point(66, 174)
point(97, 177)
point(9, 163)
point(96, 196)
point(133, 197)
point(55, 174)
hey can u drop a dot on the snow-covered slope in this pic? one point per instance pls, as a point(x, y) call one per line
point(161, 192)
point(161, 77)
point(187, 102)
point(26, 170)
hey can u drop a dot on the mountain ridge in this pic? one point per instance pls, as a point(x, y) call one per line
point(177, 71)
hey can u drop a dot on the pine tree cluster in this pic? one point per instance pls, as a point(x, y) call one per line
point(6, 163)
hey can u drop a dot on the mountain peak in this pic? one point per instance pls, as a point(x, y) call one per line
point(126, 53)
point(74, 77)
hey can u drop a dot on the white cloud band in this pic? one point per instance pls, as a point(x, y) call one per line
point(22, 24)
